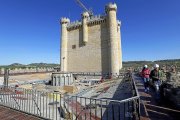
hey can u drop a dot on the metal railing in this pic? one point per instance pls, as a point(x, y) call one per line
point(102, 74)
point(57, 106)
point(136, 93)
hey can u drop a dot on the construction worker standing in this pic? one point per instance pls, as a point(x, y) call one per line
point(145, 74)
point(156, 76)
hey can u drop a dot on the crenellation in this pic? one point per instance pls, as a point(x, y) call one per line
point(85, 15)
point(65, 20)
point(98, 18)
point(94, 20)
point(110, 7)
point(118, 23)
point(74, 25)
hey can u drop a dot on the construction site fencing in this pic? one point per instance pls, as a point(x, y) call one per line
point(57, 106)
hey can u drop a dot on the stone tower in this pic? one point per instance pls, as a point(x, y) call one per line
point(92, 44)
point(64, 42)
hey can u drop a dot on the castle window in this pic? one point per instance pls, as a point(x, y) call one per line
point(73, 46)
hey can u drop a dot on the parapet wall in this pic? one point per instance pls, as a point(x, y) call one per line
point(27, 70)
point(94, 20)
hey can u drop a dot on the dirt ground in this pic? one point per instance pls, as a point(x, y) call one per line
point(30, 77)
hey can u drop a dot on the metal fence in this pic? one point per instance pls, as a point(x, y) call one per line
point(59, 106)
point(102, 74)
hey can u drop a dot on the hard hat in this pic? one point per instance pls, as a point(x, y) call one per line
point(145, 66)
point(156, 66)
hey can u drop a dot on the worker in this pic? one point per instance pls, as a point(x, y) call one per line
point(156, 76)
point(145, 74)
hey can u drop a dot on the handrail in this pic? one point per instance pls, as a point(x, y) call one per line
point(102, 99)
point(135, 85)
point(137, 93)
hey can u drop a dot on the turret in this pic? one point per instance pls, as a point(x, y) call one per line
point(64, 37)
point(114, 66)
point(85, 17)
point(119, 43)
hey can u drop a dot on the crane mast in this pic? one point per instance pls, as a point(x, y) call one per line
point(84, 7)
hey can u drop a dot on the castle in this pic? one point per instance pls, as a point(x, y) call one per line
point(92, 44)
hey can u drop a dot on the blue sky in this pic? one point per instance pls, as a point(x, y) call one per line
point(30, 29)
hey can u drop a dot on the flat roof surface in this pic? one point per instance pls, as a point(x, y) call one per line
point(11, 114)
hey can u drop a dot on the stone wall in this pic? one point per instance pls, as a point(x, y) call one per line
point(92, 57)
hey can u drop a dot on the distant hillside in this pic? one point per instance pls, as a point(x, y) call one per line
point(169, 62)
point(16, 64)
point(44, 64)
point(32, 65)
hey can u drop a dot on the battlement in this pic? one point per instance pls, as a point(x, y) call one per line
point(85, 15)
point(93, 20)
point(98, 19)
point(64, 20)
point(74, 25)
point(118, 23)
point(110, 6)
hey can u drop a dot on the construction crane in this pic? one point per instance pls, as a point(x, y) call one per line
point(84, 7)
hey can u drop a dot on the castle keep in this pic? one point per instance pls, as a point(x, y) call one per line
point(92, 44)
